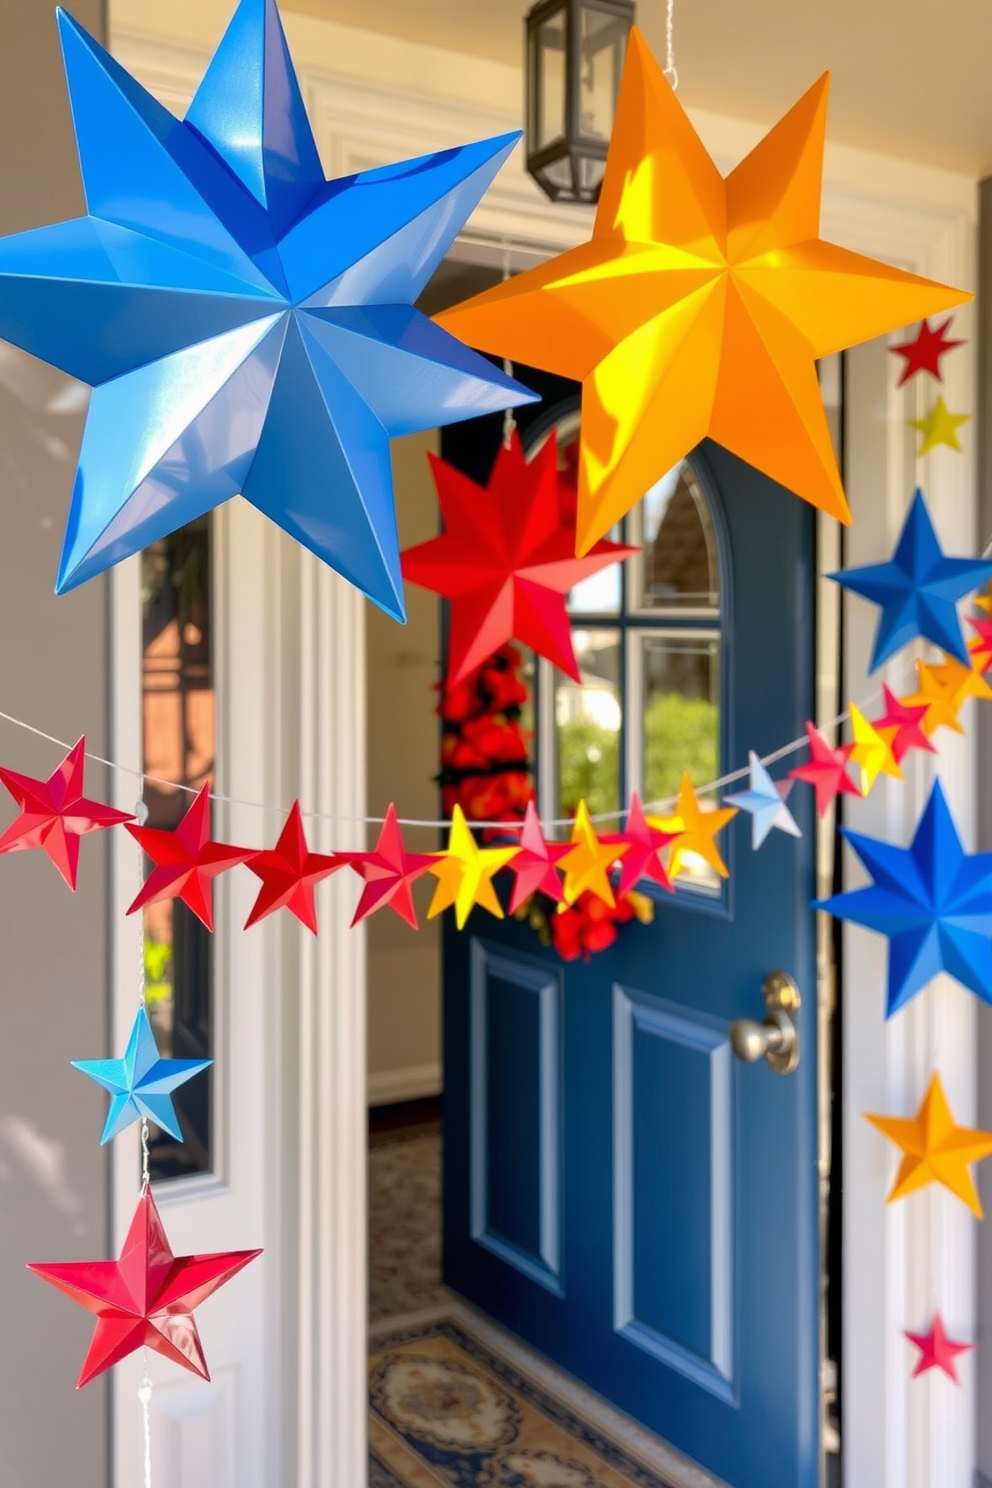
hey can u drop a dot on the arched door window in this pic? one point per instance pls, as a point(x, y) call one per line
point(647, 636)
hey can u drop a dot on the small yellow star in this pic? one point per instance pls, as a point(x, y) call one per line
point(464, 873)
point(934, 1149)
point(940, 696)
point(588, 863)
point(984, 601)
point(871, 750)
point(939, 426)
point(696, 830)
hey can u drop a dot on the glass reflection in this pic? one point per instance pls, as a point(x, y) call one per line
point(588, 719)
point(179, 717)
point(678, 566)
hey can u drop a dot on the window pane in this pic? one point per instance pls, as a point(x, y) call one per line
point(680, 688)
point(678, 567)
point(548, 78)
point(603, 43)
point(588, 717)
point(179, 745)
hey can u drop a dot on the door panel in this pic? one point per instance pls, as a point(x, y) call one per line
point(687, 1283)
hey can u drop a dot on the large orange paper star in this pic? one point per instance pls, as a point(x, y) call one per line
point(694, 831)
point(700, 305)
point(934, 1149)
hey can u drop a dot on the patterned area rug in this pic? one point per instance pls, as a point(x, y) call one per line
point(447, 1411)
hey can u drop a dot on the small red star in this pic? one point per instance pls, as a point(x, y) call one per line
point(826, 771)
point(506, 560)
point(187, 861)
point(981, 648)
point(902, 726)
point(937, 1351)
point(55, 814)
point(388, 871)
point(644, 843)
point(289, 873)
point(144, 1299)
point(924, 352)
point(534, 865)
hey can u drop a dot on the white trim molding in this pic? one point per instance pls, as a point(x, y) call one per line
point(413, 1082)
point(374, 100)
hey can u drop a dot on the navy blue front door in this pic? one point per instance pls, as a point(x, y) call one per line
point(619, 1190)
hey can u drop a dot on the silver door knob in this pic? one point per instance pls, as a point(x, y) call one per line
point(776, 1037)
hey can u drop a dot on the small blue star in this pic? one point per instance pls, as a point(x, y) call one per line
point(917, 589)
point(765, 801)
point(141, 1083)
point(933, 901)
point(247, 326)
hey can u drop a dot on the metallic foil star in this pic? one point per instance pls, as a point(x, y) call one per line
point(141, 1084)
point(932, 900)
point(917, 589)
point(465, 873)
point(939, 426)
point(644, 844)
point(924, 352)
point(699, 307)
point(289, 874)
point(587, 863)
point(186, 861)
point(934, 1149)
point(55, 814)
point(694, 831)
point(826, 771)
point(389, 872)
point(533, 868)
point(764, 801)
point(937, 1349)
point(247, 326)
point(901, 725)
point(871, 751)
point(146, 1298)
point(505, 560)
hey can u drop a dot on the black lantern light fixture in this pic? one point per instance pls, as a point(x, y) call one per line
point(575, 55)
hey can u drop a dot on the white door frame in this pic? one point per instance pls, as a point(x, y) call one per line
point(294, 723)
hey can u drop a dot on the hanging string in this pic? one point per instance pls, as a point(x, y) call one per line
point(671, 71)
point(509, 422)
point(145, 1396)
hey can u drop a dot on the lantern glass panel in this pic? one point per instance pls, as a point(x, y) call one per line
point(602, 42)
point(591, 172)
point(549, 77)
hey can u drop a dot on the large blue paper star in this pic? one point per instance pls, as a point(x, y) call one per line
point(247, 326)
point(764, 800)
point(141, 1083)
point(933, 901)
point(917, 589)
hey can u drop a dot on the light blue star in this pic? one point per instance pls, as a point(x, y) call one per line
point(917, 589)
point(247, 326)
point(933, 901)
point(141, 1084)
point(765, 800)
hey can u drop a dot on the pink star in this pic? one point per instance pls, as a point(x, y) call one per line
point(644, 843)
point(55, 814)
point(937, 1351)
point(902, 726)
point(826, 771)
point(534, 865)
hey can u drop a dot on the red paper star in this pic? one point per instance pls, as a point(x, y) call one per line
point(981, 648)
point(924, 352)
point(506, 560)
point(388, 871)
point(55, 813)
point(902, 726)
point(145, 1299)
point(826, 771)
point(644, 843)
point(289, 873)
point(937, 1351)
point(187, 861)
point(534, 865)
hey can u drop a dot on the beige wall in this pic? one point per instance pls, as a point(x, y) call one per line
point(53, 970)
point(404, 1007)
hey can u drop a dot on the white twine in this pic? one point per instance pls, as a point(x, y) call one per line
point(671, 71)
point(145, 1396)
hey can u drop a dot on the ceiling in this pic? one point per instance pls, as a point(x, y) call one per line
point(910, 77)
